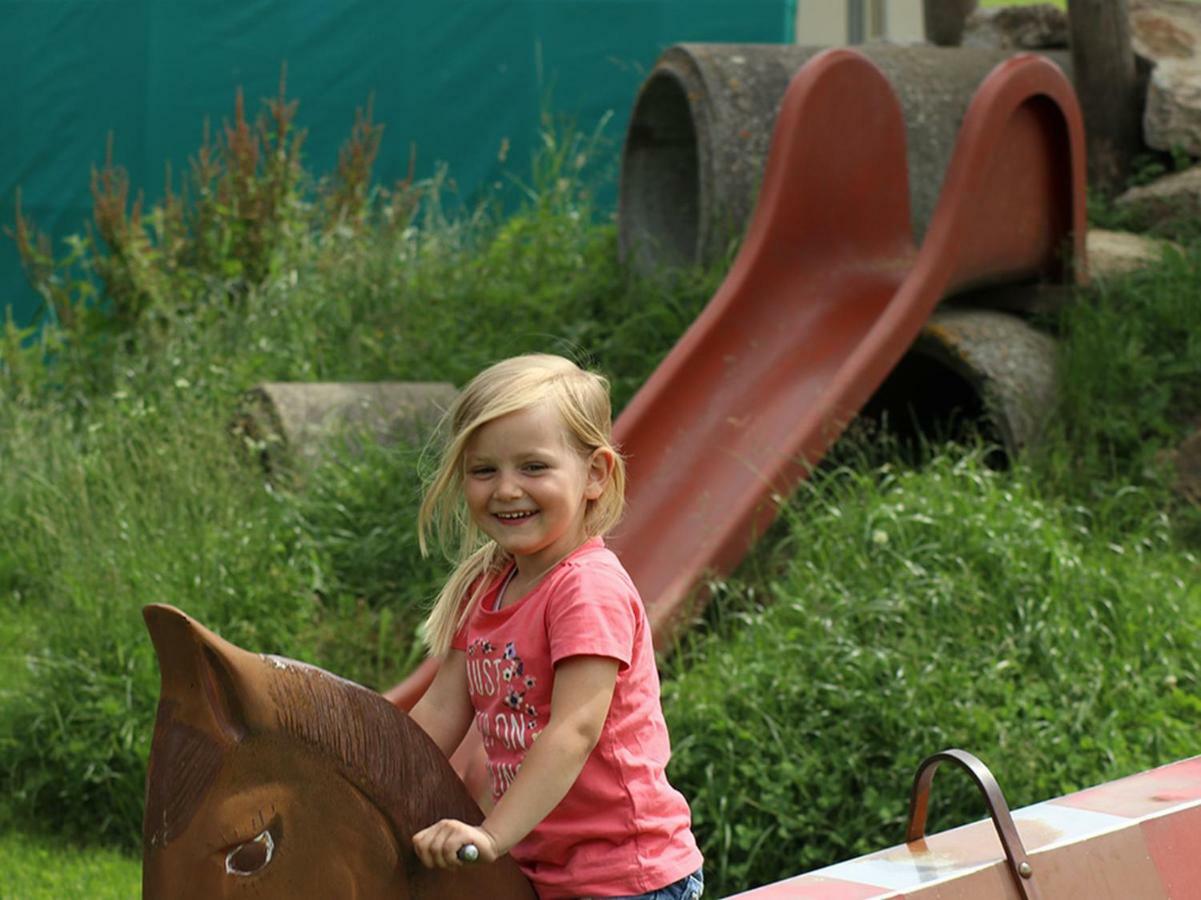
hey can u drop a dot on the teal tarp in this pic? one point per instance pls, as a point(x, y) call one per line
point(454, 78)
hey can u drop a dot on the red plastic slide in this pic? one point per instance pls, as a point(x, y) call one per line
point(824, 298)
point(826, 295)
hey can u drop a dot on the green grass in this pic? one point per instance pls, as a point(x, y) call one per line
point(43, 868)
point(147, 503)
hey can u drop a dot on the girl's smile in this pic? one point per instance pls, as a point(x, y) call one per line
point(514, 518)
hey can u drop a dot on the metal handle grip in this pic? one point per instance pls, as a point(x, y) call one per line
point(468, 853)
point(998, 809)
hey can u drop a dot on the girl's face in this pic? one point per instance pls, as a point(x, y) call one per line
point(527, 485)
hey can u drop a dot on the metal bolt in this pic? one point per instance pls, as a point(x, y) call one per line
point(1025, 871)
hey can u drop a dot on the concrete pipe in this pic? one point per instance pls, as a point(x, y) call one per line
point(973, 367)
point(290, 423)
point(702, 123)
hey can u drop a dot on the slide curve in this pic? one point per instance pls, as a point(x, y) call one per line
point(826, 294)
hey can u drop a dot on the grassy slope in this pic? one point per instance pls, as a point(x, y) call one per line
point(914, 610)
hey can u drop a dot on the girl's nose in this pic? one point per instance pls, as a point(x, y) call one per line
point(507, 488)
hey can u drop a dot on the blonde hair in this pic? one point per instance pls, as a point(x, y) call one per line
point(518, 383)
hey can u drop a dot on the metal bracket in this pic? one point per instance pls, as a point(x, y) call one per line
point(998, 809)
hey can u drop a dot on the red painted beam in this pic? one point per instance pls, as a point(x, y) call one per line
point(1137, 837)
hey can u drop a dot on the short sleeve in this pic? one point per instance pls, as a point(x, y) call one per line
point(593, 612)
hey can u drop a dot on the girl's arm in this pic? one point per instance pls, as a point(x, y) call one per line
point(579, 705)
point(444, 711)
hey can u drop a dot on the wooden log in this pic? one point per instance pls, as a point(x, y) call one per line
point(1106, 77)
point(288, 423)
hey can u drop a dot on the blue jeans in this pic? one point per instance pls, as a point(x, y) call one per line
point(690, 887)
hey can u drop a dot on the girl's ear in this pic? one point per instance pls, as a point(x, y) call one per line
point(600, 470)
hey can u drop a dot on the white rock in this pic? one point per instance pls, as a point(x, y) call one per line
point(1113, 253)
point(1168, 34)
point(1173, 196)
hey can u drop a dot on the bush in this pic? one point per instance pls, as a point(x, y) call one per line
point(139, 506)
point(1129, 376)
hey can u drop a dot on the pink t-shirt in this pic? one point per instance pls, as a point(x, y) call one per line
point(622, 828)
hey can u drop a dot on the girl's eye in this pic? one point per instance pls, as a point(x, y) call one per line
point(481, 472)
point(535, 467)
point(251, 857)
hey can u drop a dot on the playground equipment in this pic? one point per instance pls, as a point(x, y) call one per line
point(1137, 837)
point(273, 774)
point(826, 295)
point(276, 777)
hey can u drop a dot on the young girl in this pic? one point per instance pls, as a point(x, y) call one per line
point(544, 644)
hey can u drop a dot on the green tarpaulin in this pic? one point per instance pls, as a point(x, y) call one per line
point(455, 79)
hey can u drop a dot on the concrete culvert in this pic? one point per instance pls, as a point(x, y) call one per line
point(660, 167)
point(702, 124)
point(971, 372)
point(291, 424)
point(925, 401)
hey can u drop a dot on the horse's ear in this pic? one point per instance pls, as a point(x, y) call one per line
point(205, 679)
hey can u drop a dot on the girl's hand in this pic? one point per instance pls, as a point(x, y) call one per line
point(438, 846)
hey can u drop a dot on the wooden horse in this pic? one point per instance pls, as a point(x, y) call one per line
point(275, 776)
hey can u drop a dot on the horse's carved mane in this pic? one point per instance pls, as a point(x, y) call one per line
point(379, 748)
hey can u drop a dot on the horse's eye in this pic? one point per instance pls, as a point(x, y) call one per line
point(252, 856)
